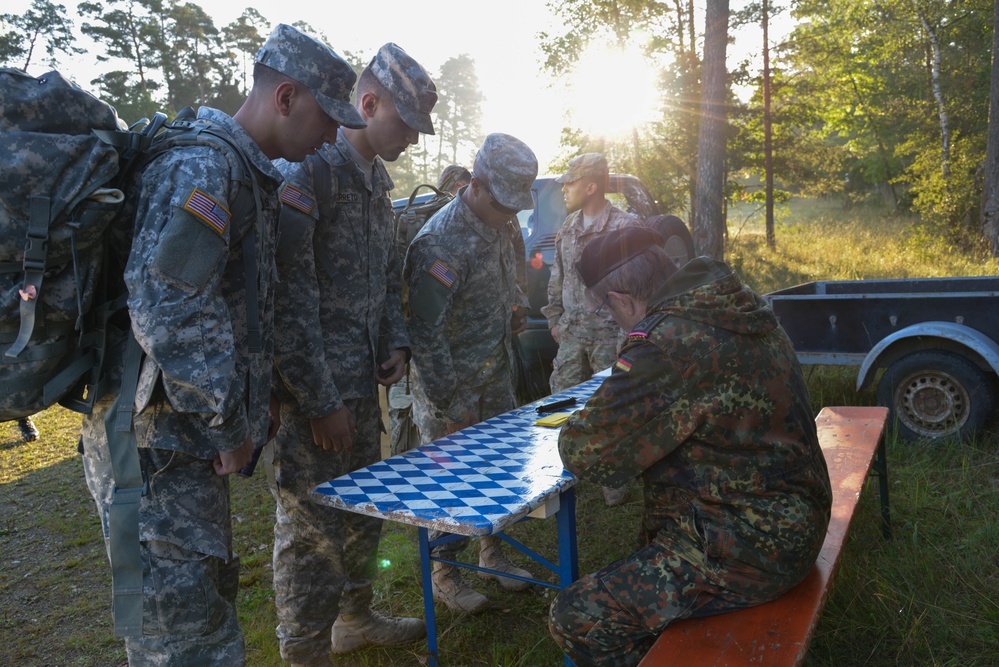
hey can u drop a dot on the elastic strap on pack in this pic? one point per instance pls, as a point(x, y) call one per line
point(35, 256)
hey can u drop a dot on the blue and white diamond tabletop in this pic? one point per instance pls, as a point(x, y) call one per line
point(477, 481)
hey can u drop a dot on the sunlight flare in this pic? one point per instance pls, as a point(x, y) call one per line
point(612, 90)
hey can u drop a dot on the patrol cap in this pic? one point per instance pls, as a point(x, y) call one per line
point(412, 88)
point(315, 65)
point(593, 165)
point(509, 167)
point(613, 250)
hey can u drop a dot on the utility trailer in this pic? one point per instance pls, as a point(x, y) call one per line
point(935, 338)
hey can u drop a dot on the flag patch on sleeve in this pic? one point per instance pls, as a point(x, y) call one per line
point(296, 198)
point(624, 363)
point(209, 211)
point(443, 273)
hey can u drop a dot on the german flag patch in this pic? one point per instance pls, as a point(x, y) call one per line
point(443, 273)
point(623, 363)
point(296, 198)
point(209, 211)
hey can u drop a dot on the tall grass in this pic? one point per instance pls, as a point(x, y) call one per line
point(930, 596)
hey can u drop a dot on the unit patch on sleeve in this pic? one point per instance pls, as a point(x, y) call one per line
point(296, 198)
point(443, 273)
point(209, 211)
point(623, 363)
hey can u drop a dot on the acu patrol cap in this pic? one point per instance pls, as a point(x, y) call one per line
point(613, 250)
point(509, 167)
point(315, 65)
point(412, 88)
point(593, 165)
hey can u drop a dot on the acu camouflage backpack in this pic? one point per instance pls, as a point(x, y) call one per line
point(65, 159)
point(410, 220)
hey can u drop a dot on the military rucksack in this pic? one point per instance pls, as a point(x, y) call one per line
point(67, 164)
point(410, 220)
point(65, 161)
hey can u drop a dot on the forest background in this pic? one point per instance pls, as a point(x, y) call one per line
point(854, 99)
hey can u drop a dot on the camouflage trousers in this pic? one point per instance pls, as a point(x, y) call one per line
point(579, 358)
point(612, 617)
point(324, 558)
point(190, 577)
point(493, 399)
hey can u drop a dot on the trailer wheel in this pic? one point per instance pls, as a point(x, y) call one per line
point(677, 241)
point(936, 394)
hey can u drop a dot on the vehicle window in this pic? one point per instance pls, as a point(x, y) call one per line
point(619, 200)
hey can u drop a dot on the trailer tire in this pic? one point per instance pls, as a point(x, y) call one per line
point(677, 241)
point(934, 394)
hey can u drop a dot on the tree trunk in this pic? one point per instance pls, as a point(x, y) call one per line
point(990, 187)
point(931, 35)
point(768, 138)
point(709, 217)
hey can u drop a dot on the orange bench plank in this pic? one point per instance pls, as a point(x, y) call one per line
point(778, 632)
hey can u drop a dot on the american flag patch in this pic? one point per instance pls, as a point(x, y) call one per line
point(207, 209)
point(443, 273)
point(624, 363)
point(295, 198)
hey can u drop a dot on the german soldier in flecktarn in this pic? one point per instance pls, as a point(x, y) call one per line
point(707, 404)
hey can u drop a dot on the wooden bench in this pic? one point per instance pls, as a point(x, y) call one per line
point(778, 632)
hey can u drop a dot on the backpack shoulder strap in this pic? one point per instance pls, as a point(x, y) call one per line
point(123, 514)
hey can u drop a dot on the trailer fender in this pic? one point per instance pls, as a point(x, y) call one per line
point(959, 334)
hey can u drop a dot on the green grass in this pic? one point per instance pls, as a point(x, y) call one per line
point(930, 596)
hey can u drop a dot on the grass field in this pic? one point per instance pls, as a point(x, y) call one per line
point(928, 597)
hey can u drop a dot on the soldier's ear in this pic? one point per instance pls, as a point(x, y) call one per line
point(284, 96)
point(369, 104)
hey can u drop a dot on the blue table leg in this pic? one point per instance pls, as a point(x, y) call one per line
point(426, 568)
point(568, 557)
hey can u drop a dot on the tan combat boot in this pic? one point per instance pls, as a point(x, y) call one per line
point(491, 556)
point(451, 589)
point(355, 631)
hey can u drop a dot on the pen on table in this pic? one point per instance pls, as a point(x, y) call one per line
point(556, 405)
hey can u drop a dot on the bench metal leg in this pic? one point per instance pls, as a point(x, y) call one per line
point(880, 467)
point(568, 556)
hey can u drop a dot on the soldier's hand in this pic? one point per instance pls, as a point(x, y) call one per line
point(391, 370)
point(556, 334)
point(334, 431)
point(234, 461)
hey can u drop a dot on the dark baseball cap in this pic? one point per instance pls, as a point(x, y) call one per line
point(413, 91)
point(613, 250)
point(315, 65)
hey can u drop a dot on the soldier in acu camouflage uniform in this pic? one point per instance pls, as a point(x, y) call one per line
point(464, 310)
point(707, 404)
point(587, 343)
point(203, 393)
point(342, 336)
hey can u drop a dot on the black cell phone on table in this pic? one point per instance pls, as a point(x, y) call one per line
point(555, 405)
